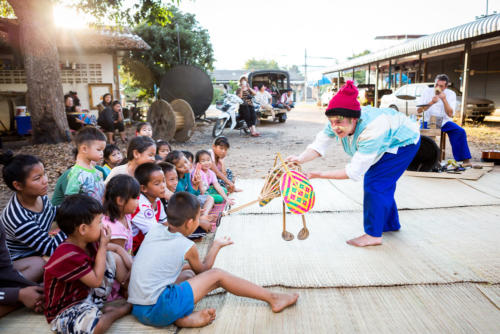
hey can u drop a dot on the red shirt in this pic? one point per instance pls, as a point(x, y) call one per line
point(62, 285)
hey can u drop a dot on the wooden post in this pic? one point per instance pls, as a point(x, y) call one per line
point(116, 78)
point(390, 80)
point(419, 71)
point(465, 82)
point(369, 68)
point(353, 74)
point(375, 102)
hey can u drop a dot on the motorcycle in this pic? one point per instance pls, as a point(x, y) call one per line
point(229, 117)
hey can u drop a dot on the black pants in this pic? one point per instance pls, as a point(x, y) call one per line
point(247, 112)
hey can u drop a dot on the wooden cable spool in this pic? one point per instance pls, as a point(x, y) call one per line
point(184, 120)
point(171, 120)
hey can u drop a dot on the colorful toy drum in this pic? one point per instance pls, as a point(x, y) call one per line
point(297, 191)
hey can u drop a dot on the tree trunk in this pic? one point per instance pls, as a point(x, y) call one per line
point(43, 75)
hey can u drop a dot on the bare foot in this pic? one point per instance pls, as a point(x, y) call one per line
point(280, 301)
point(365, 240)
point(197, 319)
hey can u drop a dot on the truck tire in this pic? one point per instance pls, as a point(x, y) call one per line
point(282, 118)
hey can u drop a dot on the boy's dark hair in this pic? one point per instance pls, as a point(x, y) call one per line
point(144, 171)
point(76, 210)
point(200, 153)
point(66, 96)
point(141, 125)
point(114, 103)
point(174, 156)
point(182, 206)
point(221, 141)
point(17, 168)
point(124, 186)
point(443, 77)
point(139, 144)
point(166, 167)
point(88, 134)
point(188, 155)
point(161, 143)
point(108, 150)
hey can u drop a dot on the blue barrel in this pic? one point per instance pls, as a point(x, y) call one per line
point(23, 124)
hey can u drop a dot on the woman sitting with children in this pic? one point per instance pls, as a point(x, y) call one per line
point(29, 215)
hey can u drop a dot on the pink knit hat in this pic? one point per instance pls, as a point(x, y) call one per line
point(345, 102)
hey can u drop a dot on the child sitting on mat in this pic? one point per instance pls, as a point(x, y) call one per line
point(192, 186)
point(150, 210)
point(79, 275)
point(209, 179)
point(163, 148)
point(224, 175)
point(163, 293)
point(112, 158)
point(144, 129)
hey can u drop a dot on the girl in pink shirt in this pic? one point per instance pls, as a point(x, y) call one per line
point(204, 162)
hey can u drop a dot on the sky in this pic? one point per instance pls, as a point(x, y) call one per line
point(282, 30)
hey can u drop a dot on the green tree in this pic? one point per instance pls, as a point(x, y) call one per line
point(41, 58)
point(147, 68)
point(357, 55)
point(261, 64)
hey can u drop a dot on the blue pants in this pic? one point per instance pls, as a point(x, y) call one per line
point(458, 141)
point(380, 213)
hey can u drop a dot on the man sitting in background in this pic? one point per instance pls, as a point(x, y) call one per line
point(286, 101)
point(441, 102)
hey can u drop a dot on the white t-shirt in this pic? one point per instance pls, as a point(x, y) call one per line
point(118, 170)
point(262, 98)
point(157, 264)
point(147, 215)
point(437, 109)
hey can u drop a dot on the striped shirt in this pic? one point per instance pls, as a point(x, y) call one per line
point(27, 231)
point(62, 285)
point(378, 131)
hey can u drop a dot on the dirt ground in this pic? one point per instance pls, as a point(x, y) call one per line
point(251, 157)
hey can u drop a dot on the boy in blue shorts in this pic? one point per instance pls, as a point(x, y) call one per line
point(163, 293)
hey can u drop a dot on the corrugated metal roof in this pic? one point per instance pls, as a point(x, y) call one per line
point(487, 25)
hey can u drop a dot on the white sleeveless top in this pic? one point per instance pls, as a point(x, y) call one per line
point(157, 264)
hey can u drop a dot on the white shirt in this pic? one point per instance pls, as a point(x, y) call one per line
point(157, 264)
point(118, 170)
point(285, 99)
point(147, 215)
point(437, 109)
point(263, 98)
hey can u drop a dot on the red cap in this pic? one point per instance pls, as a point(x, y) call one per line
point(345, 102)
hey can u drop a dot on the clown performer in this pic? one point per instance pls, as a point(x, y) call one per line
point(382, 143)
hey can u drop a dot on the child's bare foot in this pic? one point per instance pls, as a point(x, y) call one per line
point(365, 240)
point(120, 308)
point(280, 301)
point(197, 319)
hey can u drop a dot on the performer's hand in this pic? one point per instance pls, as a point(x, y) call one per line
point(435, 98)
point(294, 158)
point(442, 96)
point(312, 175)
point(223, 242)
